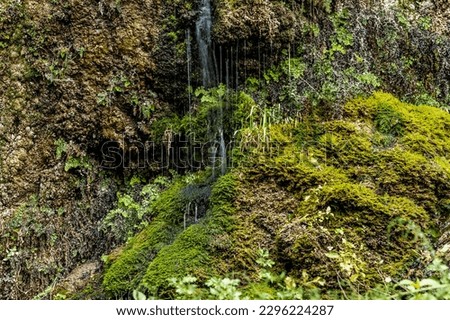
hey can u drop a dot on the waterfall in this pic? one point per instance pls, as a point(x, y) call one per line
point(218, 154)
point(213, 159)
point(203, 35)
point(209, 79)
point(223, 154)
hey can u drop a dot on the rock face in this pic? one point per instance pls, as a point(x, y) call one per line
point(77, 74)
point(64, 67)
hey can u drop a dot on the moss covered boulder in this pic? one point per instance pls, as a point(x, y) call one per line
point(348, 200)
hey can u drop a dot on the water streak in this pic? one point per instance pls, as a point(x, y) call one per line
point(222, 154)
point(203, 35)
point(209, 79)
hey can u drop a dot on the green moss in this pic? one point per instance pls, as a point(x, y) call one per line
point(332, 198)
point(388, 145)
point(125, 273)
point(355, 179)
point(188, 254)
point(424, 129)
point(170, 205)
point(223, 193)
point(300, 175)
point(444, 164)
point(164, 250)
point(193, 250)
point(161, 126)
point(344, 149)
point(388, 121)
point(412, 175)
point(280, 135)
point(349, 223)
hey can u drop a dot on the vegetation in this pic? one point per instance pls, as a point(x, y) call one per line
point(340, 199)
point(314, 165)
point(273, 286)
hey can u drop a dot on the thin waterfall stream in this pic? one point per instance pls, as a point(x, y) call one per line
point(203, 35)
point(209, 79)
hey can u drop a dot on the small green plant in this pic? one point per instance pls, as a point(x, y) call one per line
point(351, 264)
point(60, 296)
point(61, 148)
point(224, 289)
point(185, 288)
point(133, 209)
point(117, 85)
point(433, 288)
point(368, 78)
point(425, 23)
point(103, 99)
point(77, 163)
point(147, 110)
point(388, 121)
point(436, 284)
point(81, 52)
point(342, 38)
point(270, 285)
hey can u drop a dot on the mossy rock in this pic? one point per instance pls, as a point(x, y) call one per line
point(355, 185)
point(194, 249)
point(339, 199)
point(164, 250)
point(125, 273)
point(339, 214)
point(187, 255)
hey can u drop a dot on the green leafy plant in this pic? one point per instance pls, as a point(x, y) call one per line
point(133, 211)
point(61, 148)
point(224, 289)
point(77, 163)
point(342, 38)
point(269, 286)
point(388, 121)
point(185, 288)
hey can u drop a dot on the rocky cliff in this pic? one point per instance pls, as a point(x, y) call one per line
point(85, 80)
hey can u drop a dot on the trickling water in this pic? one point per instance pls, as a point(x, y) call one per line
point(209, 79)
point(227, 73)
point(186, 213)
point(213, 159)
point(222, 154)
point(203, 34)
point(245, 61)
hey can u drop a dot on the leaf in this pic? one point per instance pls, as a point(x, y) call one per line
point(406, 282)
point(221, 90)
point(354, 277)
point(137, 295)
point(429, 283)
point(189, 279)
point(332, 255)
point(408, 285)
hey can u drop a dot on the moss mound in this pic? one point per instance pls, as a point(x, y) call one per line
point(336, 199)
point(125, 271)
point(169, 247)
point(355, 186)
